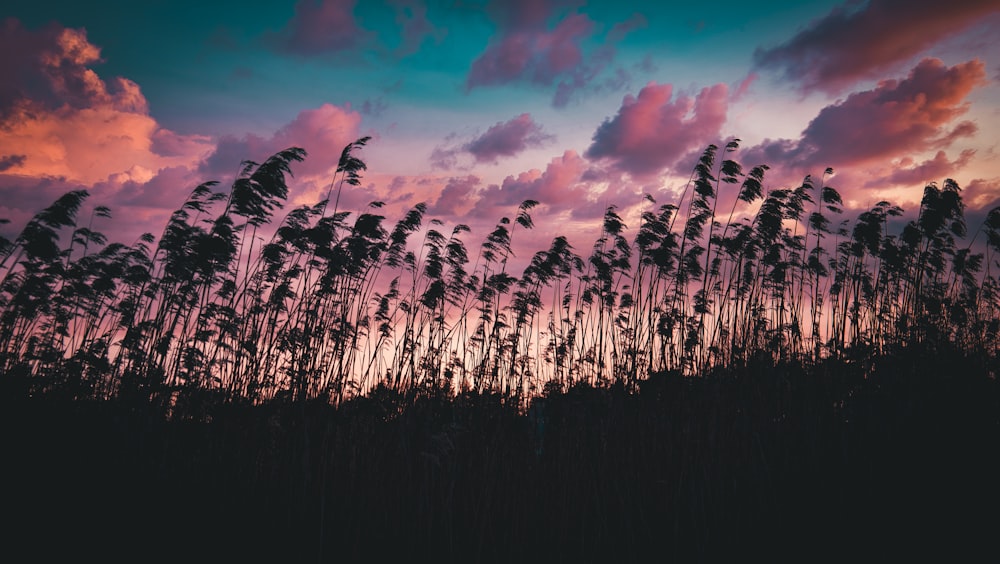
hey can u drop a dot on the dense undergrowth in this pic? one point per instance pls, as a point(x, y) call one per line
point(834, 461)
point(774, 384)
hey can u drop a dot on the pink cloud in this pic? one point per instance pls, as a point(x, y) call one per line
point(860, 40)
point(980, 194)
point(559, 187)
point(167, 190)
point(85, 145)
point(744, 86)
point(321, 26)
point(506, 139)
point(651, 131)
point(170, 144)
point(456, 198)
point(878, 140)
point(323, 132)
point(908, 172)
point(894, 118)
point(623, 28)
point(522, 14)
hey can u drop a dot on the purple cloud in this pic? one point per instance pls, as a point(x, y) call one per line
point(502, 139)
point(931, 170)
point(527, 49)
point(859, 40)
point(506, 139)
point(8, 162)
point(457, 197)
point(894, 118)
point(321, 26)
point(411, 17)
point(49, 68)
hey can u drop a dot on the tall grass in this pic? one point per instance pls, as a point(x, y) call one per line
point(335, 303)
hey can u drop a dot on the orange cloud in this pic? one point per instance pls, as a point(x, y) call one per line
point(60, 119)
point(89, 145)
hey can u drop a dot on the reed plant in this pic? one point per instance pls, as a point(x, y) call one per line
point(231, 304)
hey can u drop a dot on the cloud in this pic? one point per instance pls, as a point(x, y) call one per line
point(323, 132)
point(138, 189)
point(61, 119)
point(536, 55)
point(20, 51)
point(411, 17)
point(980, 194)
point(894, 118)
point(374, 106)
point(10, 161)
point(502, 139)
point(68, 128)
point(744, 86)
point(445, 157)
point(457, 197)
point(559, 187)
point(907, 172)
point(50, 68)
point(170, 144)
point(884, 143)
point(526, 49)
point(859, 40)
point(322, 27)
point(506, 139)
point(87, 145)
point(319, 27)
point(22, 196)
point(65, 128)
point(651, 131)
point(133, 211)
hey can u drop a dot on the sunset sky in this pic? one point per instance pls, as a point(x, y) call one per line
point(476, 106)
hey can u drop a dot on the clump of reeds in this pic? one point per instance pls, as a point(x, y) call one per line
point(335, 303)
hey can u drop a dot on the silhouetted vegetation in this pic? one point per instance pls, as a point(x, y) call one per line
point(334, 385)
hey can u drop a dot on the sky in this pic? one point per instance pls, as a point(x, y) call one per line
point(476, 106)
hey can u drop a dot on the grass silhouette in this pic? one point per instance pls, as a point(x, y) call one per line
point(785, 385)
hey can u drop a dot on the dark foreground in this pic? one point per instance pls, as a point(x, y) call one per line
point(880, 460)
